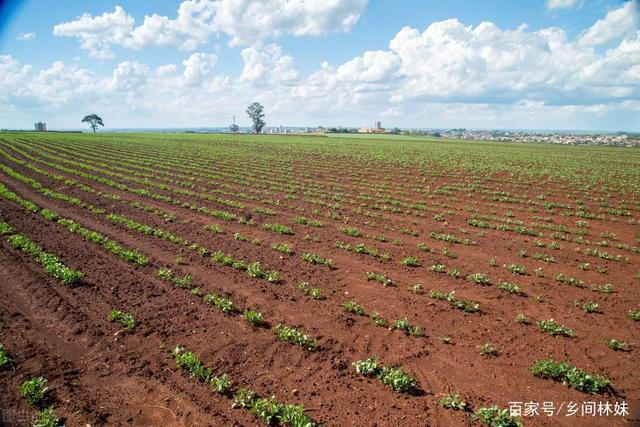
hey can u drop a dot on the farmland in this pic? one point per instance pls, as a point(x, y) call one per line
point(176, 279)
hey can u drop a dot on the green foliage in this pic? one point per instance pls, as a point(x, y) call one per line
point(634, 315)
point(411, 262)
point(125, 319)
point(489, 349)
point(350, 231)
point(516, 269)
point(404, 325)
point(255, 318)
point(191, 363)
point(570, 375)
point(351, 306)
point(379, 320)
point(34, 390)
point(510, 287)
point(496, 417)
point(214, 228)
point(316, 259)
point(367, 367)
point(183, 282)
point(52, 265)
point(380, 278)
point(617, 345)
point(220, 384)
point(295, 336)
point(282, 247)
point(479, 278)
point(453, 401)
point(459, 304)
point(244, 398)
point(315, 293)
point(278, 228)
point(522, 319)
point(47, 418)
point(555, 329)
point(5, 360)
point(393, 377)
point(221, 303)
point(397, 379)
point(310, 222)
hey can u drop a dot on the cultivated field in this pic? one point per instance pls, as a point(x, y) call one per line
point(225, 280)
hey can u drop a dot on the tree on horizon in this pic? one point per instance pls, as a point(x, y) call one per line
point(94, 121)
point(256, 114)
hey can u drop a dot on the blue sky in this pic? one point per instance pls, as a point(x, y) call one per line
point(555, 64)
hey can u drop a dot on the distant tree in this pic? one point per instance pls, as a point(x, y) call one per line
point(94, 121)
point(256, 114)
point(233, 128)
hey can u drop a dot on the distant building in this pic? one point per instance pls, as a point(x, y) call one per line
point(41, 127)
point(378, 125)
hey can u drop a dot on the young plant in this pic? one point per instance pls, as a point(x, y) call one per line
point(351, 306)
point(34, 390)
point(47, 418)
point(221, 303)
point(316, 259)
point(379, 320)
point(278, 228)
point(350, 231)
point(570, 375)
point(255, 318)
point(555, 329)
point(380, 278)
point(411, 262)
point(282, 248)
point(397, 379)
point(479, 278)
point(453, 401)
point(403, 325)
point(510, 287)
point(295, 336)
point(522, 319)
point(617, 345)
point(5, 360)
point(367, 367)
point(634, 315)
point(496, 417)
point(488, 349)
point(220, 384)
point(125, 319)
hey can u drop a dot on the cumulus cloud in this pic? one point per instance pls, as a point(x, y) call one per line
point(448, 73)
point(27, 36)
point(197, 67)
point(97, 34)
point(246, 22)
point(618, 23)
point(561, 4)
point(267, 65)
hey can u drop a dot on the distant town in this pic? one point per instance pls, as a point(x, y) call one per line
point(618, 139)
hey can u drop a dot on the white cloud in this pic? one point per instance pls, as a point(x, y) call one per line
point(618, 23)
point(447, 74)
point(129, 76)
point(267, 64)
point(197, 67)
point(248, 22)
point(27, 36)
point(244, 21)
point(561, 4)
point(165, 70)
point(98, 34)
point(372, 66)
